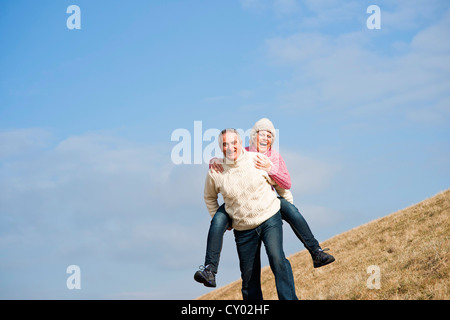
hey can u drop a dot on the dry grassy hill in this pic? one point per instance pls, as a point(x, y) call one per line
point(411, 248)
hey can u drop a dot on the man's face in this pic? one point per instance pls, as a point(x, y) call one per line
point(231, 145)
point(263, 141)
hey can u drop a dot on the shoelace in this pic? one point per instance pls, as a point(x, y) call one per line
point(202, 267)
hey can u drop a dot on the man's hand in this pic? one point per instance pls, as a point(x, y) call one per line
point(262, 162)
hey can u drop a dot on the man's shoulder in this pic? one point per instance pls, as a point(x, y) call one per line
point(251, 154)
point(216, 176)
point(211, 173)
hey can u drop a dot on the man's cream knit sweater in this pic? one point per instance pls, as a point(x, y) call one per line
point(247, 192)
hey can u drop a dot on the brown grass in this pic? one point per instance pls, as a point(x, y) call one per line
point(410, 246)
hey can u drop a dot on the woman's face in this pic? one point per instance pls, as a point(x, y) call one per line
point(263, 141)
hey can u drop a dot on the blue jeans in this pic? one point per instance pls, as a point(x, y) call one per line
point(248, 244)
point(290, 213)
point(221, 222)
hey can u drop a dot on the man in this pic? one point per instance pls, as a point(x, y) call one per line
point(254, 209)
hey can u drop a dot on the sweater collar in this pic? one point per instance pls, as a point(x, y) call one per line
point(238, 160)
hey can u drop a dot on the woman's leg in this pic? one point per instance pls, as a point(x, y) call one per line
point(292, 215)
point(219, 224)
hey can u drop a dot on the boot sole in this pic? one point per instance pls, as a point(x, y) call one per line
point(199, 278)
point(324, 264)
point(318, 265)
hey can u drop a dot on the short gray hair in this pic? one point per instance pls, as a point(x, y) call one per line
point(224, 131)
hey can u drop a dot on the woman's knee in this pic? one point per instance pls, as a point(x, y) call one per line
point(220, 220)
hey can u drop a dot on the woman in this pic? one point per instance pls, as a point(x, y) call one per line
point(261, 140)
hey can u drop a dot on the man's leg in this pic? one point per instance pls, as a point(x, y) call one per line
point(272, 236)
point(248, 245)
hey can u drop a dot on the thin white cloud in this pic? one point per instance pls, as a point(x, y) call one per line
point(331, 14)
point(252, 4)
point(308, 175)
point(99, 201)
point(346, 73)
point(90, 182)
point(285, 7)
point(19, 141)
point(411, 14)
point(213, 99)
point(281, 8)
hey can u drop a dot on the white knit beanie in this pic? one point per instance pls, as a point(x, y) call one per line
point(263, 124)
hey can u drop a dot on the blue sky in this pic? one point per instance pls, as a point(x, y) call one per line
point(86, 119)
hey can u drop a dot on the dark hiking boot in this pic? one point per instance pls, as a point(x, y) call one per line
point(205, 276)
point(320, 258)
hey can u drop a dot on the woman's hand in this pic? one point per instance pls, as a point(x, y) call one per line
point(216, 165)
point(262, 162)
